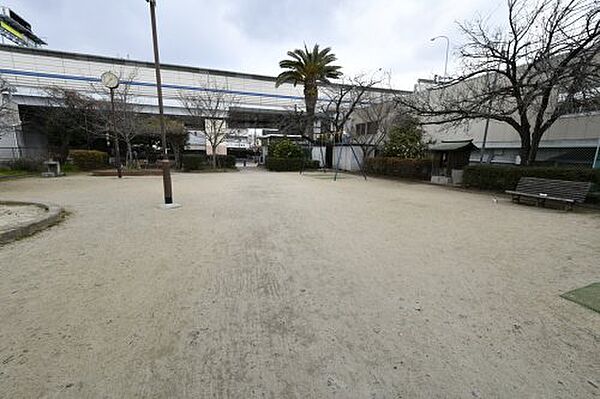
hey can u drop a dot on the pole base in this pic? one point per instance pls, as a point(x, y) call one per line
point(170, 206)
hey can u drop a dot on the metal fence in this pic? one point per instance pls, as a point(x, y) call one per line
point(584, 157)
point(8, 154)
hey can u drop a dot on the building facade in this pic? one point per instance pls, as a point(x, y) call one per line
point(30, 72)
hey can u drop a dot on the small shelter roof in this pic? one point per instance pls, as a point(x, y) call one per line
point(452, 145)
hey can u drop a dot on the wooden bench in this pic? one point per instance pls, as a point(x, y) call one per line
point(542, 190)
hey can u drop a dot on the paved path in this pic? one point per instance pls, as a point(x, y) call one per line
point(267, 285)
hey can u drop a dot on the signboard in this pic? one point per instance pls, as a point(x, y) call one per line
point(10, 29)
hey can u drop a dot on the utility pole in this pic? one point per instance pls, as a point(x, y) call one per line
point(596, 162)
point(166, 167)
point(447, 51)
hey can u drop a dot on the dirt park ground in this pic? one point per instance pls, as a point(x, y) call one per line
point(275, 285)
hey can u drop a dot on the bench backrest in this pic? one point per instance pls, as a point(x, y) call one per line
point(574, 190)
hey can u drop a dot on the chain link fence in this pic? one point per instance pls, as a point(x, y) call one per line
point(581, 157)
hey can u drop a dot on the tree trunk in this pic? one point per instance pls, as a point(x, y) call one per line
point(214, 158)
point(129, 156)
point(534, 147)
point(63, 150)
point(176, 154)
point(525, 150)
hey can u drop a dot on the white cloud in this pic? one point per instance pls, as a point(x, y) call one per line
point(253, 35)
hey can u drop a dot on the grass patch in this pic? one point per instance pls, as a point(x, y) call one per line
point(10, 172)
point(588, 296)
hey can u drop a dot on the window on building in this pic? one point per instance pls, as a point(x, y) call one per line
point(361, 129)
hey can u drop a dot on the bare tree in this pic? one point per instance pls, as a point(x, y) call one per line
point(71, 114)
point(176, 132)
point(210, 108)
point(292, 121)
point(544, 64)
point(128, 123)
point(376, 115)
point(340, 101)
point(357, 99)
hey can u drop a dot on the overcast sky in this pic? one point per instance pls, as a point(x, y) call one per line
point(253, 35)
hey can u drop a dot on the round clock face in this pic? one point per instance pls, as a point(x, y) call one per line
point(110, 80)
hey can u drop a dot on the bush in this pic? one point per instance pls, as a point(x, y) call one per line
point(406, 141)
point(285, 149)
point(289, 164)
point(27, 165)
point(500, 178)
point(226, 161)
point(398, 167)
point(199, 162)
point(194, 162)
point(89, 159)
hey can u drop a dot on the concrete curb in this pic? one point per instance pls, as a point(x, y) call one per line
point(54, 214)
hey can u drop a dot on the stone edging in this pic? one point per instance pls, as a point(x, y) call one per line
point(54, 214)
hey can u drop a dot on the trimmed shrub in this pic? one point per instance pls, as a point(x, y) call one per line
point(201, 161)
point(226, 161)
point(500, 178)
point(89, 159)
point(285, 148)
point(194, 162)
point(289, 164)
point(398, 167)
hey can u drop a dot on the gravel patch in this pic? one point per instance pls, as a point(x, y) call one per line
point(279, 285)
point(12, 215)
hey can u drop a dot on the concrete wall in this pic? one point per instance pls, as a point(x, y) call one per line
point(347, 160)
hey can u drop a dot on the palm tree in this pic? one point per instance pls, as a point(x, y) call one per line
point(309, 68)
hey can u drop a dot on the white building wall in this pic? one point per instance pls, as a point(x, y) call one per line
point(318, 154)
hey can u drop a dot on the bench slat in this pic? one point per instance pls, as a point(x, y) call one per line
point(550, 189)
point(563, 189)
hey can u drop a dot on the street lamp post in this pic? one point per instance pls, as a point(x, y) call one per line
point(447, 51)
point(166, 167)
point(111, 81)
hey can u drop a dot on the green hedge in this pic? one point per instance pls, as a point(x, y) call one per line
point(226, 161)
point(201, 161)
point(289, 164)
point(29, 165)
point(399, 167)
point(500, 178)
point(89, 159)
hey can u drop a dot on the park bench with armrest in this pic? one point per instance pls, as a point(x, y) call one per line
point(542, 190)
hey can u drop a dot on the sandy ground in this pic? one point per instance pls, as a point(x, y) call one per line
point(267, 285)
point(13, 215)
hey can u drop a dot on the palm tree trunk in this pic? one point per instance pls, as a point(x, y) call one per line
point(310, 99)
